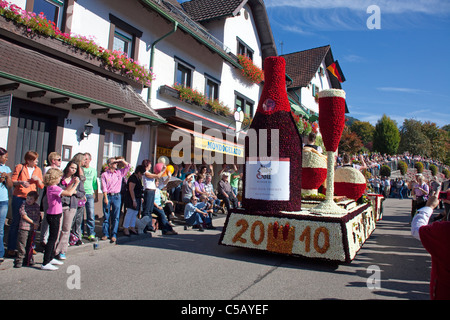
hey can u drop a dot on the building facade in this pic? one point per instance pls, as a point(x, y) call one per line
point(54, 92)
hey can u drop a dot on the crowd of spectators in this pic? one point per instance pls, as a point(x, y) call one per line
point(134, 201)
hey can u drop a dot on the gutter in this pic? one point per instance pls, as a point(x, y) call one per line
point(152, 55)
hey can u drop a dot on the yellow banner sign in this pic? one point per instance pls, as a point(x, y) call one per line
point(218, 146)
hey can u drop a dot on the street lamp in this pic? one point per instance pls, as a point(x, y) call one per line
point(87, 130)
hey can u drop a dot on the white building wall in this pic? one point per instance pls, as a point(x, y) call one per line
point(20, 3)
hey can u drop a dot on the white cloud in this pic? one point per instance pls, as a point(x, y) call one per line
point(354, 58)
point(403, 90)
point(297, 29)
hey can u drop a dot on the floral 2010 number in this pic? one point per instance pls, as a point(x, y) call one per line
point(257, 233)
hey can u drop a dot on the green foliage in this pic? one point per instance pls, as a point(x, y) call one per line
point(386, 137)
point(425, 139)
point(433, 169)
point(419, 166)
point(446, 173)
point(385, 171)
point(364, 130)
point(413, 140)
point(403, 167)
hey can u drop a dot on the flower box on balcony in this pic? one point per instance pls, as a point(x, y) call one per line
point(194, 97)
point(67, 48)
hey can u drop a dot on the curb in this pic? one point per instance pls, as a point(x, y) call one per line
point(87, 245)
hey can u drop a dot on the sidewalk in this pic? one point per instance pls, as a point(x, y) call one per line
point(89, 245)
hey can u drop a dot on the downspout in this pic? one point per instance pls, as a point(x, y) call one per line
point(152, 55)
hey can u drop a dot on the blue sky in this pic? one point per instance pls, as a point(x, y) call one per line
point(400, 70)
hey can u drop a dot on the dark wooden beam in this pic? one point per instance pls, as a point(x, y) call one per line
point(100, 111)
point(59, 100)
point(80, 106)
point(116, 115)
point(36, 94)
point(9, 87)
point(133, 119)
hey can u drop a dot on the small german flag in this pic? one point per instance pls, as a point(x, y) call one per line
point(336, 71)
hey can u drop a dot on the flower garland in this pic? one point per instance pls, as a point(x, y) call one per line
point(194, 96)
point(249, 70)
point(115, 59)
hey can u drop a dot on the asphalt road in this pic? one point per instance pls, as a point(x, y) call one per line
point(192, 266)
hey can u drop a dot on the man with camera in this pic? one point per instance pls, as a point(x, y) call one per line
point(111, 186)
point(435, 238)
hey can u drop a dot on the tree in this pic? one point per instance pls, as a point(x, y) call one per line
point(412, 138)
point(350, 142)
point(425, 139)
point(364, 130)
point(386, 137)
point(437, 138)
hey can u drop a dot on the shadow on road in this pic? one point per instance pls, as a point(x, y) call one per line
point(403, 263)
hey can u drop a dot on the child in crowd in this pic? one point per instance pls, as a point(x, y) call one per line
point(30, 217)
point(54, 212)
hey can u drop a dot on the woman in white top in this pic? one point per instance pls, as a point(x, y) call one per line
point(148, 181)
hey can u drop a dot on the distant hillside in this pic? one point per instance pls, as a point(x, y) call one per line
point(350, 120)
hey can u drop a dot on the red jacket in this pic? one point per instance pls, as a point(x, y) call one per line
point(436, 240)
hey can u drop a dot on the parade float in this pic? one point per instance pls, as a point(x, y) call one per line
point(275, 215)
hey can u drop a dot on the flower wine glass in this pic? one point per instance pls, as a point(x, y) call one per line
point(331, 123)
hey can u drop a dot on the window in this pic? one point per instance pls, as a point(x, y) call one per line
point(52, 9)
point(183, 76)
point(244, 49)
point(114, 140)
point(212, 88)
point(123, 42)
point(315, 90)
point(123, 37)
point(183, 73)
point(113, 146)
point(245, 104)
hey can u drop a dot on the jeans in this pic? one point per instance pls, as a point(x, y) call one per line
point(3, 213)
point(196, 218)
point(112, 210)
point(162, 219)
point(149, 201)
point(90, 215)
point(14, 226)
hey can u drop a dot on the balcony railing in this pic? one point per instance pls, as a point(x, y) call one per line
point(195, 26)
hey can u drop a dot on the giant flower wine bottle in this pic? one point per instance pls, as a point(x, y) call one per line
point(273, 149)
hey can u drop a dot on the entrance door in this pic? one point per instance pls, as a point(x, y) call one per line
point(36, 133)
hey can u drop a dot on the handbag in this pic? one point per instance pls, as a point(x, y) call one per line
point(73, 239)
point(81, 202)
